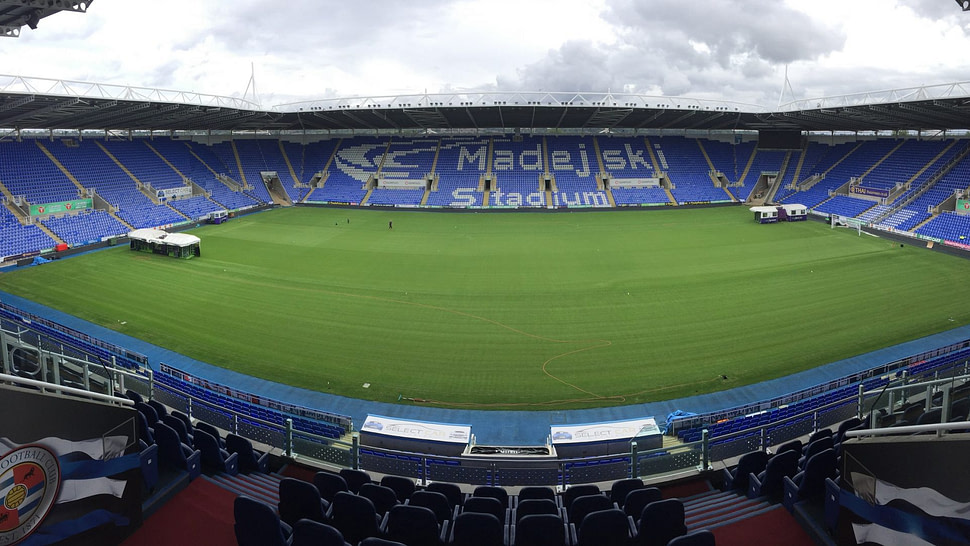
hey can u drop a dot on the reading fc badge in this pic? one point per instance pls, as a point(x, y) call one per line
point(29, 481)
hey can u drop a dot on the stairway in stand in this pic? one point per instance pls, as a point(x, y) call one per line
point(739, 521)
point(263, 487)
point(716, 508)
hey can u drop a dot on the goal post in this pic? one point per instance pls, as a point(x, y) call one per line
point(847, 221)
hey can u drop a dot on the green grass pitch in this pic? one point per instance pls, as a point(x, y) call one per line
point(521, 310)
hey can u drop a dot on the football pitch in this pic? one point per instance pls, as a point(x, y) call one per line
point(514, 310)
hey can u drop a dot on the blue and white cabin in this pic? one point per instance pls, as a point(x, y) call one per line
point(793, 212)
point(765, 215)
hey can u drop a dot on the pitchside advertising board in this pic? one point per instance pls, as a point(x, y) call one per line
point(61, 207)
point(875, 192)
point(605, 438)
point(407, 435)
point(69, 471)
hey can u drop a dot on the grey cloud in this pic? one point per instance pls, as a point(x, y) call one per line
point(678, 48)
point(767, 28)
point(935, 9)
point(315, 26)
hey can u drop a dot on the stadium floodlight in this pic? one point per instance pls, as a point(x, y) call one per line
point(33, 18)
point(964, 4)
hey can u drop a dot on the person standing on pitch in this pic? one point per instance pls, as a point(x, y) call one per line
point(390, 224)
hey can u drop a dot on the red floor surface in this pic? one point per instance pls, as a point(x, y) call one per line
point(199, 514)
point(774, 527)
point(683, 490)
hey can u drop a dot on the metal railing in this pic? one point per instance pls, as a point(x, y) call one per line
point(44, 386)
point(57, 370)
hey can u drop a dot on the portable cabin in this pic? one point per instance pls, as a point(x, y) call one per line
point(765, 215)
point(792, 213)
point(218, 217)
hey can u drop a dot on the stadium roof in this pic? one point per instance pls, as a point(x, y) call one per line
point(14, 14)
point(37, 103)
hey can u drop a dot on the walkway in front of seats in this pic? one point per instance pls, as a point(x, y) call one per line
point(507, 428)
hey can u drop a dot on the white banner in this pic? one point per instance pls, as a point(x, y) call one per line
point(417, 430)
point(603, 432)
point(169, 193)
point(650, 182)
point(401, 183)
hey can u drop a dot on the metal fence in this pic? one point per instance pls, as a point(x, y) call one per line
point(55, 363)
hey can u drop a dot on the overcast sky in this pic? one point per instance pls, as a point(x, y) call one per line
point(311, 49)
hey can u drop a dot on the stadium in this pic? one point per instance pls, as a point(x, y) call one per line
point(482, 295)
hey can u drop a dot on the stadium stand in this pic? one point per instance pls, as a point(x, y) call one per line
point(461, 163)
point(518, 166)
point(572, 164)
point(688, 170)
point(762, 161)
point(921, 174)
point(354, 163)
point(26, 171)
point(17, 239)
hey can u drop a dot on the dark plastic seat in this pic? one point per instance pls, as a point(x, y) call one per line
point(402, 487)
point(530, 507)
point(815, 448)
point(749, 463)
point(485, 505)
point(354, 516)
point(134, 396)
point(912, 412)
point(256, 524)
point(149, 412)
point(477, 529)
point(536, 492)
point(214, 457)
point(250, 460)
point(148, 460)
point(434, 501)
point(770, 482)
point(540, 530)
point(637, 499)
point(660, 522)
point(697, 538)
point(179, 427)
point(308, 532)
point(185, 420)
point(412, 525)
point(845, 426)
point(213, 431)
point(159, 408)
point(301, 500)
point(172, 452)
point(960, 408)
point(818, 435)
point(329, 484)
point(620, 489)
point(809, 485)
point(145, 432)
point(451, 492)
point(576, 491)
point(355, 478)
point(383, 498)
point(493, 491)
point(587, 504)
point(794, 445)
point(377, 541)
point(605, 528)
point(930, 417)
